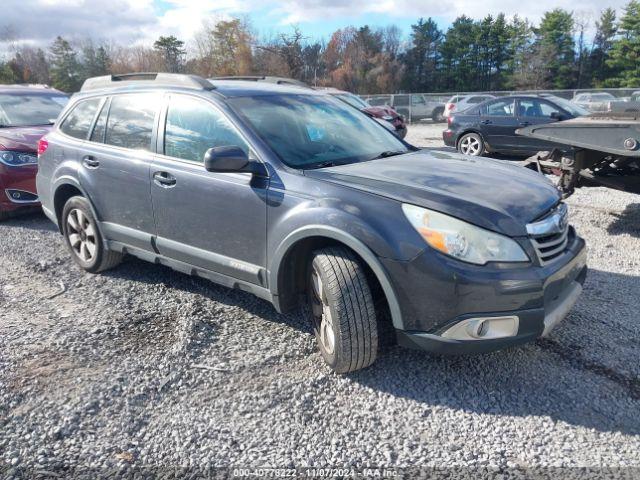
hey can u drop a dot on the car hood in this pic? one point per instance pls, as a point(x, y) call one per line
point(488, 193)
point(380, 112)
point(23, 139)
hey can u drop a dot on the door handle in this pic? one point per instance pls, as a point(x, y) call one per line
point(164, 179)
point(90, 162)
point(485, 122)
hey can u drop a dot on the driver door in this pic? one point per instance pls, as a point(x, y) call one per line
point(212, 220)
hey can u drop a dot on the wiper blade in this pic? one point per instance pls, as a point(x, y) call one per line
point(389, 153)
point(321, 165)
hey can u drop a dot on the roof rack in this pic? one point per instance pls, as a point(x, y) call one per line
point(265, 78)
point(155, 79)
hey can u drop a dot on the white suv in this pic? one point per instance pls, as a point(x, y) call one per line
point(460, 103)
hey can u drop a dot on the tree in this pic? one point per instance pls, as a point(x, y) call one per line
point(172, 52)
point(624, 58)
point(225, 49)
point(603, 41)
point(556, 47)
point(65, 69)
point(422, 59)
point(95, 61)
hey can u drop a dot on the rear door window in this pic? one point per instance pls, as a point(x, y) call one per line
point(499, 108)
point(131, 120)
point(77, 123)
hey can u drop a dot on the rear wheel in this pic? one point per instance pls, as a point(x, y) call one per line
point(438, 115)
point(342, 310)
point(80, 230)
point(471, 144)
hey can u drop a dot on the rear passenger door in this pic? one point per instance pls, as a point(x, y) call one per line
point(498, 124)
point(115, 163)
point(213, 220)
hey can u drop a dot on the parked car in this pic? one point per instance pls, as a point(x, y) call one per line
point(491, 126)
point(603, 102)
point(385, 113)
point(26, 114)
point(459, 103)
point(289, 193)
point(415, 106)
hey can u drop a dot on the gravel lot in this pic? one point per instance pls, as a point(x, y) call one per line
point(142, 367)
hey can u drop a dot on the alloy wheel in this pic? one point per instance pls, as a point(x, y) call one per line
point(82, 235)
point(470, 145)
point(322, 317)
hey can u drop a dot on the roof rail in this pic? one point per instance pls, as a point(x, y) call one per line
point(265, 78)
point(155, 79)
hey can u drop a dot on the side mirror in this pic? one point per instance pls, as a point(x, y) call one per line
point(226, 159)
point(555, 116)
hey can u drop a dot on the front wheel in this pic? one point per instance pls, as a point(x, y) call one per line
point(80, 230)
point(342, 310)
point(471, 144)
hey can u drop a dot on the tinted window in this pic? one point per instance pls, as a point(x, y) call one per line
point(476, 99)
point(78, 122)
point(311, 131)
point(417, 100)
point(500, 108)
point(193, 126)
point(101, 125)
point(23, 109)
point(401, 101)
point(131, 119)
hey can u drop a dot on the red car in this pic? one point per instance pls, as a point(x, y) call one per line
point(26, 114)
point(384, 112)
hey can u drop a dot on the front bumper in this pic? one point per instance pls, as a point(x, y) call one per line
point(540, 298)
point(18, 188)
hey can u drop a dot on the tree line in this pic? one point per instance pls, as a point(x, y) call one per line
point(564, 51)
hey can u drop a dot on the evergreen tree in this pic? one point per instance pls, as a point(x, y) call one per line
point(172, 52)
point(555, 48)
point(625, 52)
point(65, 69)
point(605, 32)
point(422, 59)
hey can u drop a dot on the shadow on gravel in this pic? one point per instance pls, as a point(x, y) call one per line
point(626, 222)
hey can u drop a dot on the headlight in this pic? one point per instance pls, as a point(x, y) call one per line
point(17, 159)
point(462, 240)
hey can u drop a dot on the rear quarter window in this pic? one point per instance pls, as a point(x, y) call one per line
point(78, 122)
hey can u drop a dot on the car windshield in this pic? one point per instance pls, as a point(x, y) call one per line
point(26, 109)
point(314, 131)
point(572, 108)
point(353, 100)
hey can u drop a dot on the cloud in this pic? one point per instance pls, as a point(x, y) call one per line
point(136, 21)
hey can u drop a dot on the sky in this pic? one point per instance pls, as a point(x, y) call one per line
point(142, 21)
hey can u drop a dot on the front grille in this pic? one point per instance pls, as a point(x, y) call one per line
point(550, 235)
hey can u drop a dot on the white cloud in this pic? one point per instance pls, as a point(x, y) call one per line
point(133, 21)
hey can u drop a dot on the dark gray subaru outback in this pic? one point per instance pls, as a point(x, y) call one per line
point(294, 196)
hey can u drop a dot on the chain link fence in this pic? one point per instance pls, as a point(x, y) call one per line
point(416, 107)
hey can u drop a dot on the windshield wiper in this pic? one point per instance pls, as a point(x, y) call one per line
point(321, 165)
point(389, 153)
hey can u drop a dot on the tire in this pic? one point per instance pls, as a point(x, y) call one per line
point(401, 133)
point(342, 310)
point(438, 115)
point(471, 144)
point(83, 239)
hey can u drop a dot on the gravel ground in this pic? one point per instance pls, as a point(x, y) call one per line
point(142, 367)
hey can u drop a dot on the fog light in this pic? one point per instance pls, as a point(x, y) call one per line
point(483, 328)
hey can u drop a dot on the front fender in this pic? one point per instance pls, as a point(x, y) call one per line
point(346, 238)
